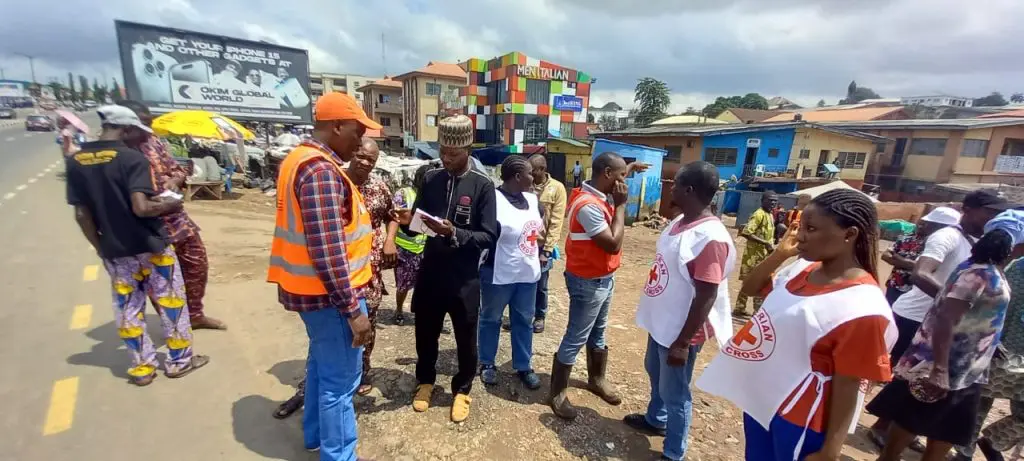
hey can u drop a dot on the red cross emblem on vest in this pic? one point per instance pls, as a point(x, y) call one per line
point(528, 238)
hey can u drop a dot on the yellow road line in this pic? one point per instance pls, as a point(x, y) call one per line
point(91, 273)
point(81, 317)
point(62, 406)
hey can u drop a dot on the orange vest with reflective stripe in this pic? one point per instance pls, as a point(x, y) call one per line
point(583, 258)
point(290, 265)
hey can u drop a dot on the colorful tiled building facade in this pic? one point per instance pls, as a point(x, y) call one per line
point(517, 101)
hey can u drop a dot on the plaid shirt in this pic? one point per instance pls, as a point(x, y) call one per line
point(323, 194)
point(165, 169)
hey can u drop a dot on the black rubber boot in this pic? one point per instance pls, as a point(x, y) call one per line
point(597, 365)
point(559, 400)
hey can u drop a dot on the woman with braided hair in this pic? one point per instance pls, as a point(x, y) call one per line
point(513, 280)
point(796, 367)
point(939, 379)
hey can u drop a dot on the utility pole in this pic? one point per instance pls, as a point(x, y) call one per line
point(31, 64)
point(383, 55)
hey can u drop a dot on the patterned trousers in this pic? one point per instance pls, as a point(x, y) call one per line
point(195, 268)
point(741, 299)
point(1008, 431)
point(155, 276)
point(374, 294)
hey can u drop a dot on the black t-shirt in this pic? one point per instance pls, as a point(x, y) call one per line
point(101, 178)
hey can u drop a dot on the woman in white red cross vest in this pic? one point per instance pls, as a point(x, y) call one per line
point(823, 330)
point(509, 274)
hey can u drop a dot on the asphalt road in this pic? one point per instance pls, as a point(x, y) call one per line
point(63, 390)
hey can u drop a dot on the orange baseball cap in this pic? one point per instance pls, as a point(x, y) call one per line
point(340, 106)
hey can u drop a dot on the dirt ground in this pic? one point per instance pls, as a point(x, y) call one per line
point(507, 421)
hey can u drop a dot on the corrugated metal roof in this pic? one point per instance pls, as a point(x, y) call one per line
point(940, 124)
point(839, 115)
point(570, 141)
point(688, 120)
point(1005, 114)
point(753, 115)
point(437, 69)
point(386, 82)
point(714, 130)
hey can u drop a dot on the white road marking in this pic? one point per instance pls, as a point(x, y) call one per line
point(40, 175)
point(10, 138)
point(8, 195)
point(32, 180)
point(20, 187)
point(47, 170)
point(28, 135)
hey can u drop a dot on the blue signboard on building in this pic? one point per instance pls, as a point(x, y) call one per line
point(568, 103)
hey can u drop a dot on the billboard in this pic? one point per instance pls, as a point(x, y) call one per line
point(568, 103)
point(172, 69)
point(13, 89)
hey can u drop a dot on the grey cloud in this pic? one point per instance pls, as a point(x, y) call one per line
point(780, 47)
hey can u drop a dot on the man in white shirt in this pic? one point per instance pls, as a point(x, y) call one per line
point(943, 252)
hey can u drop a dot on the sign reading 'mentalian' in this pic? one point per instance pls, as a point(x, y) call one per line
point(543, 73)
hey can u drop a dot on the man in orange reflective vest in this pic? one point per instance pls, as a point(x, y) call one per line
point(320, 258)
point(593, 250)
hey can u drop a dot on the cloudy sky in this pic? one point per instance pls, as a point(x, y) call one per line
point(800, 49)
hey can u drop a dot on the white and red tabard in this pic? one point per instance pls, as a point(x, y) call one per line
point(770, 357)
point(666, 299)
point(516, 253)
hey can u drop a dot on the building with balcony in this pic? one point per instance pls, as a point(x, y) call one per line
point(518, 101)
point(382, 101)
point(924, 153)
point(326, 82)
point(784, 157)
point(429, 94)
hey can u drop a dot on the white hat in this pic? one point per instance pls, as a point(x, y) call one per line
point(943, 215)
point(121, 116)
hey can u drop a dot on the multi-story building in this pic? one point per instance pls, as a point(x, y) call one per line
point(924, 153)
point(937, 100)
point(429, 94)
point(326, 82)
point(780, 156)
point(382, 101)
point(518, 101)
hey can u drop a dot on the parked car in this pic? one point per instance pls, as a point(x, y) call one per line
point(48, 105)
point(8, 113)
point(89, 104)
point(39, 123)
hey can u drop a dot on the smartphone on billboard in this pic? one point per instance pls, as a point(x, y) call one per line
point(195, 72)
point(291, 94)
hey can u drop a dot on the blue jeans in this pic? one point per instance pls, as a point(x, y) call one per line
point(229, 171)
point(333, 371)
point(542, 291)
point(520, 298)
point(589, 301)
point(671, 401)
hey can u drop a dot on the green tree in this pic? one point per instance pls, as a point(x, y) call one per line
point(608, 122)
point(57, 89)
point(821, 103)
point(99, 93)
point(590, 117)
point(994, 99)
point(71, 87)
point(691, 111)
point(83, 87)
point(652, 99)
point(115, 91)
point(748, 101)
point(1017, 98)
point(855, 94)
